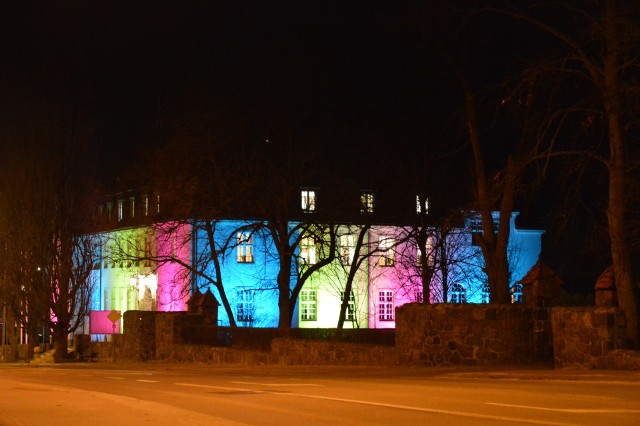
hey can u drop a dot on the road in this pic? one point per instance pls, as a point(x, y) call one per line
point(79, 394)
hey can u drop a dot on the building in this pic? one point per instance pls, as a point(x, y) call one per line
point(151, 262)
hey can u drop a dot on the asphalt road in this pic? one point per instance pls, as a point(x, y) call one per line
point(97, 394)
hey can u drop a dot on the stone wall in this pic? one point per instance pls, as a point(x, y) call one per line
point(590, 337)
point(140, 335)
point(443, 335)
point(309, 352)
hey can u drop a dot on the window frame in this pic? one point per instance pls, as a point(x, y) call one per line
point(386, 303)
point(386, 245)
point(245, 306)
point(309, 305)
point(308, 200)
point(367, 202)
point(308, 251)
point(348, 250)
point(244, 247)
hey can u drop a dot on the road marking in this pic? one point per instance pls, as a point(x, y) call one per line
point(279, 384)
point(380, 404)
point(114, 378)
point(147, 381)
point(570, 410)
point(218, 387)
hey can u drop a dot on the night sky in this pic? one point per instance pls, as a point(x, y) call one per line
point(361, 79)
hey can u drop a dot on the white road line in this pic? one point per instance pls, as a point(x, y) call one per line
point(114, 378)
point(380, 404)
point(279, 384)
point(218, 387)
point(569, 410)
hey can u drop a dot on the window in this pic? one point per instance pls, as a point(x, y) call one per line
point(132, 207)
point(120, 210)
point(157, 203)
point(422, 204)
point(308, 251)
point(245, 306)
point(145, 205)
point(147, 252)
point(385, 305)
point(367, 202)
point(109, 210)
point(308, 200)
point(245, 247)
point(97, 256)
point(351, 309)
point(387, 255)
point(308, 305)
point(429, 250)
point(486, 294)
point(458, 294)
point(516, 294)
point(107, 255)
point(347, 249)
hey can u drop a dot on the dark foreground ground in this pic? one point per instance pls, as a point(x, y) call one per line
point(196, 394)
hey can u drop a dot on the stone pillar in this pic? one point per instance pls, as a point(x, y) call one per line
point(605, 289)
point(540, 286)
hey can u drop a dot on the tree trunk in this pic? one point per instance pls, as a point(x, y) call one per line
point(620, 256)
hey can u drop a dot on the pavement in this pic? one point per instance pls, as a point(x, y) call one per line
point(478, 372)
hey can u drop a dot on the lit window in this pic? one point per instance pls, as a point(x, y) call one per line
point(367, 203)
point(486, 294)
point(157, 203)
point(387, 255)
point(422, 204)
point(385, 305)
point(145, 205)
point(458, 294)
point(347, 249)
point(245, 247)
point(308, 200)
point(308, 251)
point(245, 306)
point(120, 210)
point(308, 305)
point(516, 294)
point(429, 253)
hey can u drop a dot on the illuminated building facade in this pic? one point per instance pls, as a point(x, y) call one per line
point(155, 266)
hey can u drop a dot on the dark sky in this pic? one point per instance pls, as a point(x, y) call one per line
point(347, 76)
point(352, 69)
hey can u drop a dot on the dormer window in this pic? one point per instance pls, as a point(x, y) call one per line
point(367, 202)
point(422, 204)
point(145, 204)
point(308, 200)
point(120, 210)
point(109, 210)
point(132, 207)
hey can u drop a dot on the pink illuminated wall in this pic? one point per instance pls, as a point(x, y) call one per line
point(388, 283)
point(173, 279)
point(99, 323)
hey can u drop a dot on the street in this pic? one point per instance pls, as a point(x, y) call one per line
point(70, 394)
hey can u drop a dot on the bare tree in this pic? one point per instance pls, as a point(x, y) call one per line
point(603, 64)
point(49, 253)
